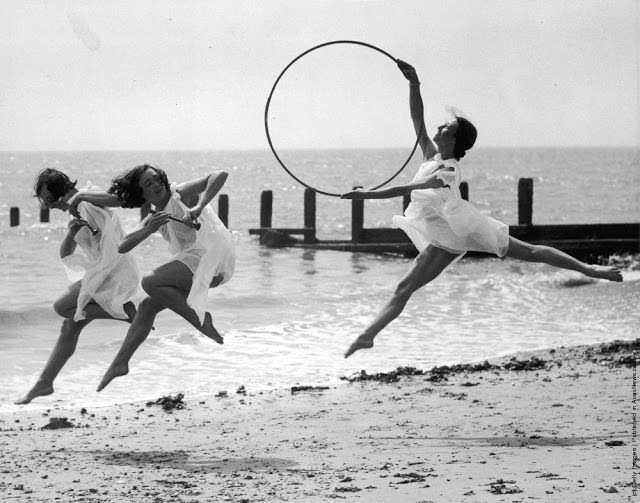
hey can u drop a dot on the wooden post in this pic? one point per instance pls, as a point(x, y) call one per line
point(406, 200)
point(357, 220)
point(14, 216)
point(223, 209)
point(525, 201)
point(464, 190)
point(266, 208)
point(44, 214)
point(310, 214)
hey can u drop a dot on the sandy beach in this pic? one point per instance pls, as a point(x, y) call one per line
point(552, 425)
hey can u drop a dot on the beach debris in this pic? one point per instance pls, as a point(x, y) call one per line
point(57, 423)
point(349, 489)
point(347, 479)
point(609, 490)
point(614, 443)
point(83, 411)
point(618, 345)
point(385, 377)
point(169, 402)
point(469, 384)
point(501, 486)
point(534, 363)
point(409, 478)
point(222, 394)
point(241, 390)
point(296, 389)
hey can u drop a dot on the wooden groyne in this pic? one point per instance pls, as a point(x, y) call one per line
point(580, 240)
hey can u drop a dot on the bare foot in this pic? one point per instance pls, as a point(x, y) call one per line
point(605, 272)
point(362, 342)
point(216, 280)
point(209, 330)
point(130, 311)
point(37, 390)
point(113, 372)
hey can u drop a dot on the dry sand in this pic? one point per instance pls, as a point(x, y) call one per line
point(560, 429)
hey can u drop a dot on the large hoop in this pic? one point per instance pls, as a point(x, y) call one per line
point(266, 115)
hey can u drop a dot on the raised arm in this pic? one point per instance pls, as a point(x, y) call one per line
point(417, 110)
point(199, 192)
point(149, 225)
point(430, 182)
point(97, 198)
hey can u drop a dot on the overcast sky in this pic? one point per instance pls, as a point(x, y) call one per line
point(163, 74)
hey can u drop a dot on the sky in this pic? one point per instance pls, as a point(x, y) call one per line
point(174, 75)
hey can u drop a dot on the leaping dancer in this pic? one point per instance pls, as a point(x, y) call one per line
point(441, 224)
point(203, 259)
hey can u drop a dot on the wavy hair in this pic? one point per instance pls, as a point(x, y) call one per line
point(126, 187)
point(56, 182)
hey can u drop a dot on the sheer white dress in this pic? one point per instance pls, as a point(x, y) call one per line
point(442, 218)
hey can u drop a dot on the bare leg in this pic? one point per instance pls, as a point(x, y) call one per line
point(548, 255)
point(66, 344)
point(169, 285)
point(136, 335)
point(425, 268)
point(66, 307)
point(62, 351)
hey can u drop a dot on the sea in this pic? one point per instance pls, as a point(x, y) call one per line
point(288, 314)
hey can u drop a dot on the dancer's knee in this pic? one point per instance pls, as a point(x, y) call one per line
point(404, 290)
point(149, 307)
point(63, 309)
point(149, 284)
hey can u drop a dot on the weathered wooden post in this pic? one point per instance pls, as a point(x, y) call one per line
point(266, 208)
point(525, 201)
point(14, 216)
point(223, 209)
point(310, 215)
point(44, 214)
point(464, 190)
point(357, 220)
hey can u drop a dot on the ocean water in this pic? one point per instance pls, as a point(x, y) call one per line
point(288, 314)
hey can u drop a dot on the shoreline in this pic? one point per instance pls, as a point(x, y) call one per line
point(546, 424)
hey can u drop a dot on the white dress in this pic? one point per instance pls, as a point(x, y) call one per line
point(207, 252)
point(441, 217)
point(108, 277)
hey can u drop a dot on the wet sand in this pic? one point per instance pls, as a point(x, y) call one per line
point(547, 426)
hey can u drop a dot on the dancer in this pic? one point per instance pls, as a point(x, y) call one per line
point(441, 224)
point(203, 258)
point(110, 279)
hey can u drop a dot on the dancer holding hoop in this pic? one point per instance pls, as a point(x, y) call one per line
point(109, 282)
point(441, 224)
point(204, 258)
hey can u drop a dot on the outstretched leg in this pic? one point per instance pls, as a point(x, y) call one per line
point(548, 255)
point(169, 285)
point(425, 268)
point(136, 335)
point(62, 351)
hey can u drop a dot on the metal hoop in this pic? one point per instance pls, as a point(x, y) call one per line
point(266, 115)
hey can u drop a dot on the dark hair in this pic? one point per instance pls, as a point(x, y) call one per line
point(466, 135)
point(56, 182)
point(126, 187)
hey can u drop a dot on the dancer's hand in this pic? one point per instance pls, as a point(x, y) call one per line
point(76, 224)
point(73, 203)
point(354, 194)
point(191, 217)
point(408, 71)
point(157, 220)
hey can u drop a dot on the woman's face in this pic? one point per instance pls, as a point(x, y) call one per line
point(152, 187)
point(446, 134)
point(51, 201)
